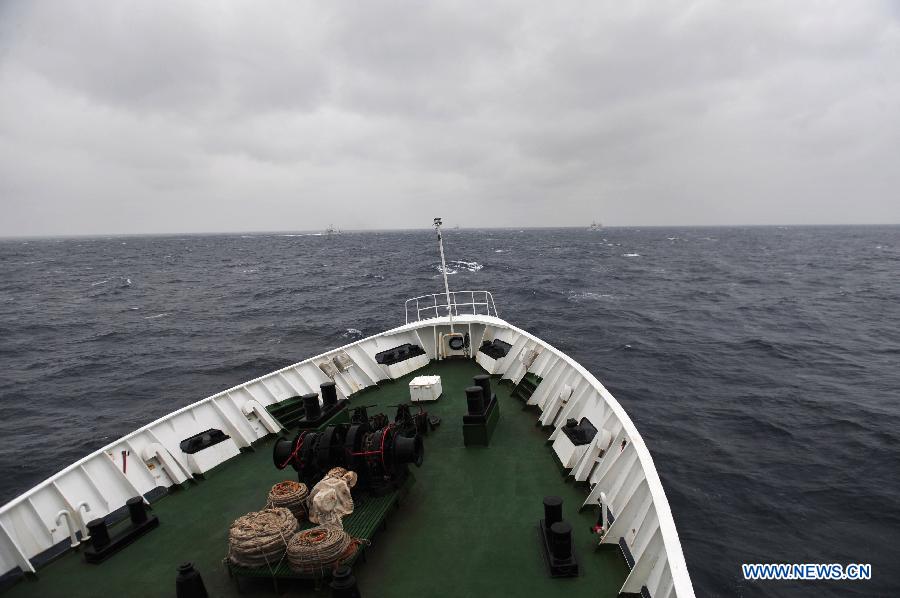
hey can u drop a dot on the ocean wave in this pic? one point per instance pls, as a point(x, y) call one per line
point(456, 266)
point(579, 296)
point(155, 316)
point(103, 287)
point(244, 368)
point(631, 255)
point(769, 347)
point(352, 333)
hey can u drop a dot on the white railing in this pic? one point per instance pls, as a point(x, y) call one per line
point(476, 303)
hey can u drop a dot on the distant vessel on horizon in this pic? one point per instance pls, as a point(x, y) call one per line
point(332, 231)
point(595, 226)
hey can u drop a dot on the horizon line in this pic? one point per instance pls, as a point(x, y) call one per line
point(314, 232)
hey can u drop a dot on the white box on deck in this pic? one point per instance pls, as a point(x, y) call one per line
point(425, 388)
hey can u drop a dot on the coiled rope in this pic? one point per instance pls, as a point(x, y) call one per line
point(339, 472)
point(319, 548)
point(290, 495)
point(261, 537)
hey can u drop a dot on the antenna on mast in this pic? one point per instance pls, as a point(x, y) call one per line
point(437, 227)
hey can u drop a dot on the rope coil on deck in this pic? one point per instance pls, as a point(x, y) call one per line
point(261, 537)
point(319, 548)
point(290, 495)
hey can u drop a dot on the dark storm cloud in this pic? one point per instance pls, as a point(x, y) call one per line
point(172, 116)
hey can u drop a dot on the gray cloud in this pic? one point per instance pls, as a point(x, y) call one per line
point(171, 116)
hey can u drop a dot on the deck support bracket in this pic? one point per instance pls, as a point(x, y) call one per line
point(168, 462)
point(269, 422)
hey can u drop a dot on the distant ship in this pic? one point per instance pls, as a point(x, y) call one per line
point(332, 231)
point(595, 225)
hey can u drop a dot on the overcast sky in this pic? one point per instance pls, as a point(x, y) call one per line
point(155, 116)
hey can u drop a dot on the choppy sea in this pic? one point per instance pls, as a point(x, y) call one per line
point(761, 365)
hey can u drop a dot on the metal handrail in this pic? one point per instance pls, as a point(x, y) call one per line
point(435, 305)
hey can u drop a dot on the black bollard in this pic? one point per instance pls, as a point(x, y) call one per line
point(137, 510)
point(343, 583)
point(484, 381)
point(552, 510)
point(561, 540)
point(99, 533)
point(475, 400)
point(329, 394)
point(556, 540)
point(311, 408)
point(188, 583)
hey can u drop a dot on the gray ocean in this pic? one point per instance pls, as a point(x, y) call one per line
point(761, 365)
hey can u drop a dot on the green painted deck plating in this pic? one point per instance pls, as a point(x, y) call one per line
point(467, 527)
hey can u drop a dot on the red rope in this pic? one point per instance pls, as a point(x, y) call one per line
point(383, 436)
point(294, 453)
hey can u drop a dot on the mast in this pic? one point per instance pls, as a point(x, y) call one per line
point(437, 227)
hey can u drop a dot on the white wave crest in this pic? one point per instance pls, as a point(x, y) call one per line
point(631, 255)
point(455, 266)
point(121, 281)
point(579, 296)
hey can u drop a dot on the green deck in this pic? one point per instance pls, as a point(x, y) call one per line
point(467, 527)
